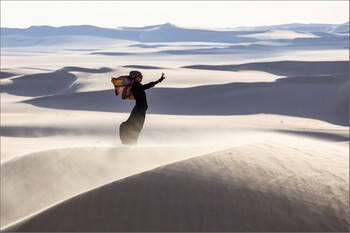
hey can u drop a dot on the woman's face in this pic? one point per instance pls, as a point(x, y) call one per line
point(138, 79)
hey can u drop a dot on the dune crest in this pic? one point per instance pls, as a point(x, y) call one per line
point(62, 173)
point(215, 192)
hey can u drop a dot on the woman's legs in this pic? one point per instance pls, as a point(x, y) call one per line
point(129, 130)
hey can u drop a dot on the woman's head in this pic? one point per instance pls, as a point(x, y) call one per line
point(136, 75)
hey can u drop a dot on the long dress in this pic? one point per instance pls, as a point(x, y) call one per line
point(130, 129)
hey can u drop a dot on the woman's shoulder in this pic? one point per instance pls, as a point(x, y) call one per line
point(136, 84)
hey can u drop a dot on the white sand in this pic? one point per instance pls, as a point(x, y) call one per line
point(247, 150)
point(281, 34)
point(258, 187)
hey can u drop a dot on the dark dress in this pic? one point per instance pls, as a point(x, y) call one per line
point(130, 129)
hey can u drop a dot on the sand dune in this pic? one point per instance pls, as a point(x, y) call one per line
point(271, 49)
point(148, 45)
point(87, 70)
point(157, 33)
point(142, 67)
point(49, 83)
point(6, 74)
point(274, 48)
point(111, 53)
point(280, 34)
point(330, 135)
point(62, 41)
point(42, 179)
point(310, 97)
point(164, 32)
point(313, 28)
point(40, 84)
point(278, 99)
point(286, 189)
point(286, 68)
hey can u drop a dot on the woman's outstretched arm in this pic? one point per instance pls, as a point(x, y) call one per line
point(152, 84)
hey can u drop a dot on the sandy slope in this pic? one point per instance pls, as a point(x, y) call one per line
point(283, 110)
point(280, 34)
point(77, 150)
point(317, 97)
point(296, 186)
point(315, 90)
point(42, 179)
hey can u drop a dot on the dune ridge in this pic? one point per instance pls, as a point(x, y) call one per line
point(142, 67)
point(40, 84)
point(318, 97)
point(43, 35)
point(70, 171)
point(316, 80)
point(286, 68)
point(214, 192)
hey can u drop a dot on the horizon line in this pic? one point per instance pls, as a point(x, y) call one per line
point(168, 23)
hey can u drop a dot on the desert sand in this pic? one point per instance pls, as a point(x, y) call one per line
point(250, 135)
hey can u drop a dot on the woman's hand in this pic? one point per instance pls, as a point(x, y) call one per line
point(161, 78)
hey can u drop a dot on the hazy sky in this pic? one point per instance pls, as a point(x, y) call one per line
point(212, 14)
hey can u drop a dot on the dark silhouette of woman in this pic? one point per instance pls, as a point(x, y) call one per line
point(130, 129)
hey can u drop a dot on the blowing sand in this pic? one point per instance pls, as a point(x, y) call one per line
point(257, 187)
point(233, 141)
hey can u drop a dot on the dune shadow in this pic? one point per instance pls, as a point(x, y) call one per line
point(335, 137)
point(310, 97)
point(323, 43)
point(285, 68)
point(47, 83)
point(87, 70)
point(142, 67)
point(111, 53)
point(6, 74)
point(40, 84)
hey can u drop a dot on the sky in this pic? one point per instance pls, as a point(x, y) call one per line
point(202, 14)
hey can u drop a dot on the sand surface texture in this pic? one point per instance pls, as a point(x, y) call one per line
point(248, 132)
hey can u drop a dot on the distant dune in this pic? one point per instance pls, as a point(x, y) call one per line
point(87, 34)
point(158, 33)
point(142, 67)
point(312, 27)
point(47, 83)
point(111, 53)
point(4, 74)
point(86, 70)
point(40, 84)
point(309, 94)
point(285, 68)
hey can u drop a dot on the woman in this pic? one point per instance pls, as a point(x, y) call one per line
point(130, 129)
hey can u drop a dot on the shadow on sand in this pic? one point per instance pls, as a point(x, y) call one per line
point(318, 97)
